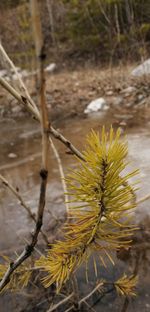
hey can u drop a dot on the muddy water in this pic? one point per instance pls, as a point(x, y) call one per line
point(20, 159)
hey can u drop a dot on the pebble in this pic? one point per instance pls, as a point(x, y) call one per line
point(12, 155)
point(51, 67)
point(140, 97)
point(109, 93)
point(142, 69)
point(96, 105)
point(16, 109)
point(128, 90)
point(118, 101)
point(123, 116)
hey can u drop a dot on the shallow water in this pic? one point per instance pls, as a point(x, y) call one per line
point(20, 161)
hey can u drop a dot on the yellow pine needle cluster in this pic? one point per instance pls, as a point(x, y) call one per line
point(20, 278)
point(125, 286)
point(99, 217)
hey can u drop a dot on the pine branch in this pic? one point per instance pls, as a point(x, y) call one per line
point(98, 219)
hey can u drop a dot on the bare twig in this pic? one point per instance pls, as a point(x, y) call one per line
point(16, 193)
point(51, 19)
point(69, 309)
point(61, 173)
point(56, 134)
point(20, 98)
point(44, 171)
point(89, 307)
point(86, 297)
point(61, 303)
point(22, 202)
point(107, 291)
point(22, 85)
point(91, 293)
point(35, 12)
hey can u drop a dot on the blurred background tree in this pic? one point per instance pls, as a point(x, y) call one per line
point(99, 30)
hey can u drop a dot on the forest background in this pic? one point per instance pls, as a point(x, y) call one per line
point(91, 30)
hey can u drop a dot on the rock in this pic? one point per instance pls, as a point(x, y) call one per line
point(12, 155)
point(123, 123)
point(129, 90)
point(118, 101)
point(24, 73)
point(143, 69)
point(18, 69)
point(123, 116)
point(7, 78)
point(16, 109)
point(129, 104)
point(96, 105)
point(109, 93)
point(3, 73)
point(11, 74)
point(140, 97)
point(51, 67)
point(15, 76)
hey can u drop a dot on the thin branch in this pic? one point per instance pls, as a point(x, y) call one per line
point(61, 173)
point(23, 204)
point(51, 19)
point(56, 134)
point(20, 98)
point(22, 85)
point(44, 171)
point(89, 307)
point(16, 193)
point(69, 309)
point(91, 293)
point(56, 306)
point(86, 297)
point(103, 295)
point(35, 13)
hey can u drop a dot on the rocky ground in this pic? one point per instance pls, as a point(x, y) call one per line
point(70, 92)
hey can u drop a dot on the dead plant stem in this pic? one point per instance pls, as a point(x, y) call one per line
point(61, 303)
point(62, 176)
point(44, 171)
